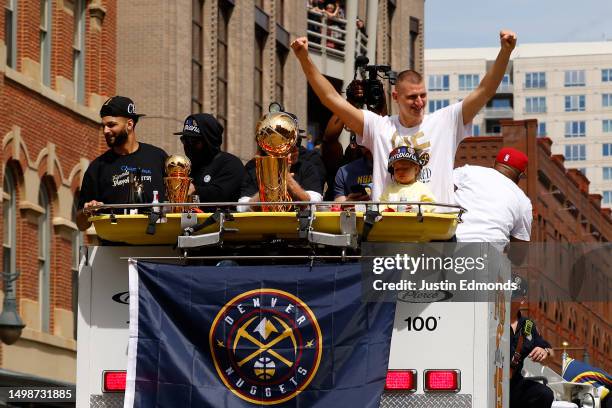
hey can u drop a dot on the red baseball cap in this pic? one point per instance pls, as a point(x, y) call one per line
point(513, 158)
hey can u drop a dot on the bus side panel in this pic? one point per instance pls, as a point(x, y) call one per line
point(103, 326)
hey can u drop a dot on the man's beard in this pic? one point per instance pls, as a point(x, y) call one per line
point(119, 140)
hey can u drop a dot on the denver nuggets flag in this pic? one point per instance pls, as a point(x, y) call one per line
point(254, 336)
point(578, 371)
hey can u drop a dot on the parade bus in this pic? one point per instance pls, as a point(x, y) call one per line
point(442, 354)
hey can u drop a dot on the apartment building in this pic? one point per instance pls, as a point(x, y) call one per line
point(567, 87)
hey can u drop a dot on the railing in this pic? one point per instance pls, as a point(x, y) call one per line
point(505, 88)
point(492, 112)
point(327, 35)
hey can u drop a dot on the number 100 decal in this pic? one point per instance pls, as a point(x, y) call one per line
point(419, 324)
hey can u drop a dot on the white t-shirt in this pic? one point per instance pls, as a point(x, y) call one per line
point(496, 207)
point(439, 135)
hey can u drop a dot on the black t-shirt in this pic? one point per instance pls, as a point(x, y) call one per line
point(107, 177)
point(529, 343)
point(304, 173)
point(220, 179)
point(314, 157)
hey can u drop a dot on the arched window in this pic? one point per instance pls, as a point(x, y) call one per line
point(44, 257)
point(9, 222)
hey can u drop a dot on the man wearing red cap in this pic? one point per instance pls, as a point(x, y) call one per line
point(497, 209)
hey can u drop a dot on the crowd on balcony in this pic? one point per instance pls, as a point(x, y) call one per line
point(331, 14)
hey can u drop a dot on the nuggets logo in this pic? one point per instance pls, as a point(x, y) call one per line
point(266, 345)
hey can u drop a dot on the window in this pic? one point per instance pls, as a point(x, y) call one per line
point(78, 47)
point(438, 83)
point(197, 40)
point(606, 125)
point(10, 32)
point(223, 16)
point(535, 104)
point(541, 129)
point(390, 15)
point(606, 75)
point(44, 257)
point(279, 88)
point(607, 173)
point(414, 33)
point(45, 41)
point(506, 80)
point(576, 152)
point(606, 100)
point(468, 82)
point(475, 130)
point(501, 103)
point(607, 197)
point(535, 80)
point(574, 78)
point(260, 39)
point(436, 104)
point(575, 103)
point(606, 149)
point(576, 128)
point(9, 221)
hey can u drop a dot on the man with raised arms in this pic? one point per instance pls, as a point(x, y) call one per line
point(438, 134)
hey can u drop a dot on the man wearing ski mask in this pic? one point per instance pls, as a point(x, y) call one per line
point(216, 174)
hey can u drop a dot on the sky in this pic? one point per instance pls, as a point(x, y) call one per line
point(476, 23)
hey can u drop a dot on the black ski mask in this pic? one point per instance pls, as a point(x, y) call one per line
point(202, 136)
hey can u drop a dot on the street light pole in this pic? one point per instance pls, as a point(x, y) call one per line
point(10, 322)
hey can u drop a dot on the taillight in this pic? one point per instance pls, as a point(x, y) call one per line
point(404, 380)
point(113, 381)
point(442, 380)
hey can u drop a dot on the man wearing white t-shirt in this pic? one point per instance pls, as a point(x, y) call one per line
point(438, 134)
point(497, 209)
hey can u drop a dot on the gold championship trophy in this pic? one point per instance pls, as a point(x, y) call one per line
point(177, 181)
point(276, 134)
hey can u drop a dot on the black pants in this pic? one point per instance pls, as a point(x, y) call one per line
point(526, 393)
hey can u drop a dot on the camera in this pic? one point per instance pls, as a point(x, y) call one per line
point(373, 91)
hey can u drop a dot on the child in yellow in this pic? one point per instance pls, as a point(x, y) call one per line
point(405, 164)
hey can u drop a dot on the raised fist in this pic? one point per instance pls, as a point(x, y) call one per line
point(507, 39)
point(300, 47)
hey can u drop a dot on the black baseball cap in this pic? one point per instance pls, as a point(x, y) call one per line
point(120, 106)
point(191, 127)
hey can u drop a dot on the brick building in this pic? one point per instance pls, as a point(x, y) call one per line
point(564, 212)
point(57, 66)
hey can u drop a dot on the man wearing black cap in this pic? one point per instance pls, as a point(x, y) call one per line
point(106, 180)
point(216, 175)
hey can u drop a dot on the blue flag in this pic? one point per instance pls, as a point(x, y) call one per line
point(281, 336)
point(578, 371)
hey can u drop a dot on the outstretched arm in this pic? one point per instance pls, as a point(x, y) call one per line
point(348, 114)
point(488, 86)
